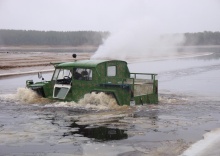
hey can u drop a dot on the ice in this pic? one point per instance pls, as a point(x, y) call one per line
point(103, 149)
point(209, 145)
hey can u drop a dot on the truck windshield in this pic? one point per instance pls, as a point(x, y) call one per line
point(76, 73)
point(62, 76)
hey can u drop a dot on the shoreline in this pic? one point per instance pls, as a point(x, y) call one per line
point(21, 63)
point(25, 73)
point(49, 49)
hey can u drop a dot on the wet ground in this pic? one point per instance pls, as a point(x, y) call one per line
point(21, 62)
point(189, 107)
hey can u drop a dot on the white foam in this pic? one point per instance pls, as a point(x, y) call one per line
point(24, 95)
point(7, 97)
point(172, 99)
point(99, 101)
point(28, 96)
point(207, 146)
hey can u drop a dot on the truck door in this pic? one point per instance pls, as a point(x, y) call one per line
point(82, 80)
point(62, 83)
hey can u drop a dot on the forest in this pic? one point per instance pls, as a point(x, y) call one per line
point(51, 38)
point(81, 38)
point(202, 38)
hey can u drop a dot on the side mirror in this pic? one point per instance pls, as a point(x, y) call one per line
point(39, 75)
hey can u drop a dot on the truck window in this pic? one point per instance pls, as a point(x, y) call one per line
point(82, 74)
point(61, 73)
point(111, 71)
point(62, 76)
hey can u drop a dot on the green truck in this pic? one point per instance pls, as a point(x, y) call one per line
point(72, 80)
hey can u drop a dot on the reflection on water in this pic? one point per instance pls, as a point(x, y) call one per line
point(169, 65)
point(98, 133)
point(199, 48)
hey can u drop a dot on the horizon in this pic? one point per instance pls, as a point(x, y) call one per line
point(93, 31)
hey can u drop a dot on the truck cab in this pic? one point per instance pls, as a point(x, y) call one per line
point(72, 80)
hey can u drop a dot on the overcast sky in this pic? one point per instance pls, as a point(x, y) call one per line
point(109, 15)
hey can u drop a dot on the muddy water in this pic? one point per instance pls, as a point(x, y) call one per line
point(189, 108)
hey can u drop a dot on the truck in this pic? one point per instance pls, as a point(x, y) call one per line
point(72, 80)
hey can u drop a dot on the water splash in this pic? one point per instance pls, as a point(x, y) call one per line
point(172, 99)
point(25, 96)
point(99, 101)
point(7, 97)
point(28, 96)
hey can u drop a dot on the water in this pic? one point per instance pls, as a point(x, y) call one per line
point(188, 109)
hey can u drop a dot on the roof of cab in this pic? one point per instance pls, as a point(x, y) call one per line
point(85, 63)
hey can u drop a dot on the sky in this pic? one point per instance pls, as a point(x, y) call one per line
point(171, 16)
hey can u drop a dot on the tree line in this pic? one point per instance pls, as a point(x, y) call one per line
point(202, 38)
point(51, 38)
point(80, 38)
